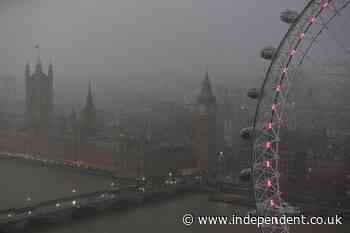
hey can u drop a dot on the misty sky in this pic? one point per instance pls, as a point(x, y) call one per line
point(107, 40)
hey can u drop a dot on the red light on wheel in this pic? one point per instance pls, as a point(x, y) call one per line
point(312, 19)
point(269, 183)
point(268, 164)
point(324, 3)
point(269, 126)
point(268, 145)
point(278, 88)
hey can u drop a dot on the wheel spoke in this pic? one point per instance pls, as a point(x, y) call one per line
point(276, 108)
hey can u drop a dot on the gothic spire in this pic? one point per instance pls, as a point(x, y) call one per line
point(89, 98)
point(50, 70)
point(206, 95)
point(38, 67)
point(89, 115)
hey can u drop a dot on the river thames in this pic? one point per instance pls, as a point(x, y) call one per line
point(23, 183)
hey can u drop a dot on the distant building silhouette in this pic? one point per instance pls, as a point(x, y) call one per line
point(39, 96)
point(204, 128)
point(88, 116)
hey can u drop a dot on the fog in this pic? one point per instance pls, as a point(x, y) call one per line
point(116, 43)
point(144, 123)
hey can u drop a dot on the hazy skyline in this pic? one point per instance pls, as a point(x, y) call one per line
point(108, 40)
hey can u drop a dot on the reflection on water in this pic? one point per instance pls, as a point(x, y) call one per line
point(167, 217)
point(20, 180)
point(164, 216)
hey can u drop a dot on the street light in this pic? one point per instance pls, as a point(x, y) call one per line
point(28, 200)
point(219, 165)
point(221, 156)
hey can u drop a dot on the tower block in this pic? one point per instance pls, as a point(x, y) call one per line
point(39, 96)
point(204, 128)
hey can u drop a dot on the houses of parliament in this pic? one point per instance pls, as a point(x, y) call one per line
point(190, 144)
point(148, 142)
point(39, 103)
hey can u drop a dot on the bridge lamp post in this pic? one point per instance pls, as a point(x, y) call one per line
point(114, 185)
point(220, 163)
point(28, 201)
point(142, 183)
point(170, 180)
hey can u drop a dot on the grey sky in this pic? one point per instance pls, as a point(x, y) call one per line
point(108, 40)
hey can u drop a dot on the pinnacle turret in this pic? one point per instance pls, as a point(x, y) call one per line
point(50, 70)
point(206, 95)
point(38, 67)
point(89, 115)
point(27, 72)
point(89, 98)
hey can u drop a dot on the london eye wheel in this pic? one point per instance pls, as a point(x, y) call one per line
point(275, 103)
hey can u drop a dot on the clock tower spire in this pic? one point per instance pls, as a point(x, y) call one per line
point(204, 128)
